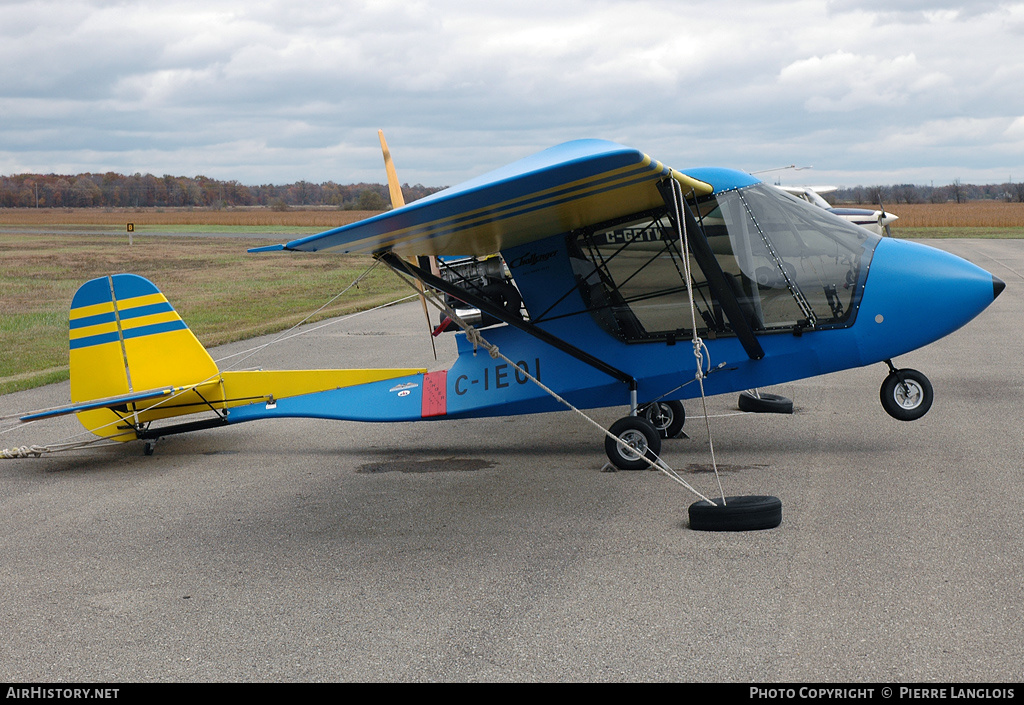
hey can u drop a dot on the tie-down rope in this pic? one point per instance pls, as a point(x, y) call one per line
point(698, 345)
point(477, 340)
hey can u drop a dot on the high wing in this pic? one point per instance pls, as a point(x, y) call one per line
point(558, 190)
point(877, 221)
point(811, 194)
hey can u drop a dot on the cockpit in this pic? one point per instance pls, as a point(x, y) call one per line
point(790, 266)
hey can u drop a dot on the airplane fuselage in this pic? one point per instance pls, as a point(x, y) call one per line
point(812, 309)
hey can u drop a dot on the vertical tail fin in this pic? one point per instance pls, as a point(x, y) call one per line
point(125, 338)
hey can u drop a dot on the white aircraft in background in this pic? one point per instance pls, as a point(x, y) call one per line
point(877, 221)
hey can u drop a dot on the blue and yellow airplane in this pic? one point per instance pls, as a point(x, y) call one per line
point(614, 265)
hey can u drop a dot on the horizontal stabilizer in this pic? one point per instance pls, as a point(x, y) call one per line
point(134, 361)
point(108, 403)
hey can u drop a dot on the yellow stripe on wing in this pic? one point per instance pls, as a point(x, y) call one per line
point(487, 216)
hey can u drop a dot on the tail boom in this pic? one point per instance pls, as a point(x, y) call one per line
point(135, 361)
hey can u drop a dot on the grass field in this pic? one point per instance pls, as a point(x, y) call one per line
point(225, 294)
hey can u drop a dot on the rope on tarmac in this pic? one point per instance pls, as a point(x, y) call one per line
point(35, 451)
point(23, 452)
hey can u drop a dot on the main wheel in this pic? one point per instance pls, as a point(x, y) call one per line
point(641, 440)
point(908, 400)
point(667, 417)
point(750, 513)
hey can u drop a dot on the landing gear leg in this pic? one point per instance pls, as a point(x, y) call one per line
point(906, 394)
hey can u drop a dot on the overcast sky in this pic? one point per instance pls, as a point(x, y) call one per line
point(274, 91)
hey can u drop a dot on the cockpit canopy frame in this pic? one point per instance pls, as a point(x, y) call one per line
point(791, 267)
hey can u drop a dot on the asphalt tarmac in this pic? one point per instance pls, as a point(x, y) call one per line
point(497, 550)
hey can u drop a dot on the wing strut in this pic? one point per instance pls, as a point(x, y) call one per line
point(403, 267)
point(720, 288)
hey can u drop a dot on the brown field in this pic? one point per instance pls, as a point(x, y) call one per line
point(222, 292)
point(252, 217)
point(972, 214)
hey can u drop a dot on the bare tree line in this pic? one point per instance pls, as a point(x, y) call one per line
point(956, 192)
point(112, 190)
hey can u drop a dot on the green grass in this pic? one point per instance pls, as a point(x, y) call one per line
point(222, 292)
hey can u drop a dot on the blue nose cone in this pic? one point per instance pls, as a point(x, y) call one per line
point(915, 295)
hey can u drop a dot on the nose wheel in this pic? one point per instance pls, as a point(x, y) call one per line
point(906, 394)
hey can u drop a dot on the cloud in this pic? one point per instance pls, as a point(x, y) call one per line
point(919, 7)
point(844, 81)
point(280, 91)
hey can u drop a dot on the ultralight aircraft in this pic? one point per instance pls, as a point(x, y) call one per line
point(877, 220)
point(624, 283)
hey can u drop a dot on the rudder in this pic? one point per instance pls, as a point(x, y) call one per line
point(125, 337)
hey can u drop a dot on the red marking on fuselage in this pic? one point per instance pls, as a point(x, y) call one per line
point(435, 394)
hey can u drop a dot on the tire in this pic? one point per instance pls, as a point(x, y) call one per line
point(667, 417)
point(765, 403)
point(749, 513)
point(641, 438)
point(907, 401)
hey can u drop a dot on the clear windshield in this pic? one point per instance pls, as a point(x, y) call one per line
point(799, 261)
point(789, 264)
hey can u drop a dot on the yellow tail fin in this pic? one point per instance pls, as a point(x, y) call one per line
point(133, 361)
point(126, 338)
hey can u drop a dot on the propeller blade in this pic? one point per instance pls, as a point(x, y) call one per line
point(397, 201)
point(394, 188)
point(881, 218)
